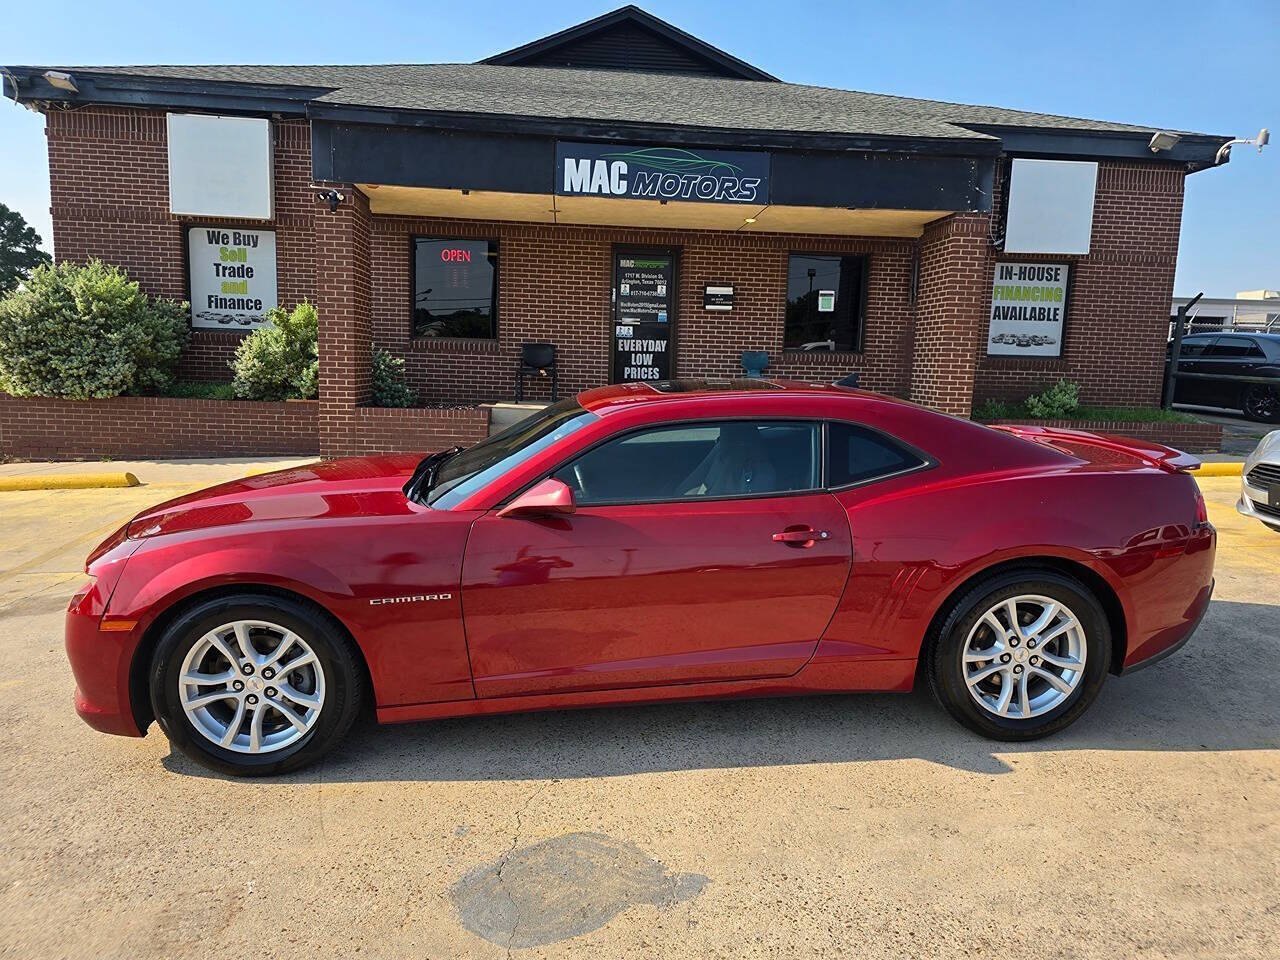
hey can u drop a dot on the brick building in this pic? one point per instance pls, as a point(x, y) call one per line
point(649, 204)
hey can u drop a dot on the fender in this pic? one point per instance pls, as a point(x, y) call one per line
point(145, 592)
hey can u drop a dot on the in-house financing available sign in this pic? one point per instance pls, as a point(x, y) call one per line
point(233, 276)
point(1028, 304)
point(661, 173)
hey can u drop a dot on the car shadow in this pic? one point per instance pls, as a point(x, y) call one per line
point(1218, 693)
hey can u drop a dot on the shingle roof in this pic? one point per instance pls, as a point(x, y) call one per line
point(619, 96)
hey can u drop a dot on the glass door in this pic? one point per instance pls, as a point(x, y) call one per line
point(644, 299)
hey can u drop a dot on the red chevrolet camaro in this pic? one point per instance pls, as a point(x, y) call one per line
point(640, 543)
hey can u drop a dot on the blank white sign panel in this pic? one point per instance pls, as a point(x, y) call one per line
point(1050, 206)
point(219, 166)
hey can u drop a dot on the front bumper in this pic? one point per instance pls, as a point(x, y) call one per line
point(1253, 503)
point(100, 661)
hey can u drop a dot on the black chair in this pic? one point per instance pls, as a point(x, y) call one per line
point(539, 360)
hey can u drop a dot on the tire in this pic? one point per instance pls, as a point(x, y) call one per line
point(329, 686)
point(1261, 403)
point(967, 632)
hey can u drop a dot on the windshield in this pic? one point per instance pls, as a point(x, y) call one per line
point(464, 473)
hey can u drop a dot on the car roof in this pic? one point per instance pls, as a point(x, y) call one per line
point(1269, 337)
point(600, 400)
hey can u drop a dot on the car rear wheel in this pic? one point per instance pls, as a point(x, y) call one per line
point(1021, 655)
point(253, 685)
point(1262, 403)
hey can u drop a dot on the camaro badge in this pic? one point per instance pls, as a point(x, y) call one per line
point(416, 598)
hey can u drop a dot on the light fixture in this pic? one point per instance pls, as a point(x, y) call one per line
point(1260, 141)
point(750, 220)
point(1163, 140)
point(331, 197)
point(61, 80)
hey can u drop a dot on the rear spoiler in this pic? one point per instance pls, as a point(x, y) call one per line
point(1148, 451)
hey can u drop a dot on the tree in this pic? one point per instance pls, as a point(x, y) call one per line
point(20, 251)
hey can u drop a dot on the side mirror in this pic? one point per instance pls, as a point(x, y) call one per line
point(550, 497)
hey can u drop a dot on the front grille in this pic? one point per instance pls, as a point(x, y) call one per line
point(1263, 475)
point(1270, 511)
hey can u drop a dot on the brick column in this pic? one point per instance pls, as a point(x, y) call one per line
point(343, 302)
point(950, 314)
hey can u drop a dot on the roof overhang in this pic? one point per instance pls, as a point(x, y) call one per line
point(1195, 151)
point(27, 85)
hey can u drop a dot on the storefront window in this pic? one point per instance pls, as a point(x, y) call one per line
point(455, 288)
point(825, 302)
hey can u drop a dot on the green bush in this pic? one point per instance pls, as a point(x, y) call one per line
point(389, 386)
point(1060, 400)
point(993, 409)
point(280, 361)
point(85, 331)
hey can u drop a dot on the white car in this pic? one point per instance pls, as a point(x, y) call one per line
point(1260, 482)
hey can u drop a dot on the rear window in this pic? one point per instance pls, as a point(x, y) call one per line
point(856, 454)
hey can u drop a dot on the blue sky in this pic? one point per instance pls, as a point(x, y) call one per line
point(1203, 66)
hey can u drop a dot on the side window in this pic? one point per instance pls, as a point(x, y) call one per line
point(1231, 347)
point(1193, 348)
point(855, 454)
point(698, 461)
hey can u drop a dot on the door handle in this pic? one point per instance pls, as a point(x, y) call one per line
point(801, 537)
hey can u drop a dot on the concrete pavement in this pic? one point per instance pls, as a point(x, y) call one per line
point(860, 826)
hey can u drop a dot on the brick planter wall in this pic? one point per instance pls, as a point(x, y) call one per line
point(1188, 437)
point(369, 430)
point(48, 429)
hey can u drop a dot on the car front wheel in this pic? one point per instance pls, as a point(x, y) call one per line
point(253, 685)
point(1021, 655)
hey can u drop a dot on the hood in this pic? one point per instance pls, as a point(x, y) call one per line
point(331, 489)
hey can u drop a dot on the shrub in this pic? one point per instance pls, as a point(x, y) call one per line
point(280, 361)
point(389, 386)
point(1060, 400)
point(993, 409)
point(85, 331)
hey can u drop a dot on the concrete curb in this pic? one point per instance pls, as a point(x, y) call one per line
point(1220, 468)
point(67, 481)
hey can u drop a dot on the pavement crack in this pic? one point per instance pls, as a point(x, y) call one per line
point(502, 864)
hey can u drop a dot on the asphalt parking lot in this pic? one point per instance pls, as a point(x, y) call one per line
point(867, 826)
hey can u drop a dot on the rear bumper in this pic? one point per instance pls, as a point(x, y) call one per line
point(1171, 641)
point(100, 661)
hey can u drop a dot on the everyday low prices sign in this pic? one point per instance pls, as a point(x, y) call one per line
point(233, 276)
point(1028, 306)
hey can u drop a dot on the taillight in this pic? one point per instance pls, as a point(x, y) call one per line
point(1202, 511)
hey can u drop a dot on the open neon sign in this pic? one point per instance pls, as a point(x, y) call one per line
point(455, 255)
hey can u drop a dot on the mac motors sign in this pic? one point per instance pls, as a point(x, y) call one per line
point(661, 173)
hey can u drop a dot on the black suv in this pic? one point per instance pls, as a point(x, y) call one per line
point(1231, 354)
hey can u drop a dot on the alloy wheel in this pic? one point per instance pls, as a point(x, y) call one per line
point(1024, 657)
point(1262, 402)
point(252, 687)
